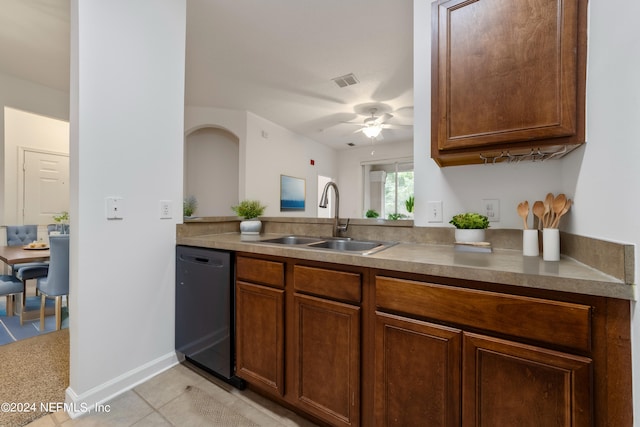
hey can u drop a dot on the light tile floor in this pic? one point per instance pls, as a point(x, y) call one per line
point(163, 401)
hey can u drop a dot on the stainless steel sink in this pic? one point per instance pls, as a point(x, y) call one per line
point(292, 240)
point(335, 244)
point(347, 245)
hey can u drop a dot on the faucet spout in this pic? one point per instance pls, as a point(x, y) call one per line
point(324, 200)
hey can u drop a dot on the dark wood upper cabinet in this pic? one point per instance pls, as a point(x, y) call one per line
point(507, 76)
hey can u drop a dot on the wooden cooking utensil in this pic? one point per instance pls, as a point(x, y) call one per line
point(564, 210)
point(523, 211)
point(548, 213)
point(538, 211)
point(557, 206)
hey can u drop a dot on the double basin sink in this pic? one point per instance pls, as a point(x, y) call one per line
point(336, 244)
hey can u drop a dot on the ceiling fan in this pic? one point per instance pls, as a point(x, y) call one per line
point(372, 126)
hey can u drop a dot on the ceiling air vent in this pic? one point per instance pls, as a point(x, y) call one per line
point(346, 80)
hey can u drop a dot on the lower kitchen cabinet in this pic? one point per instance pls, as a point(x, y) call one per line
point(417, 373)
point(260, 336)
point(327, 359)
point(511, 384)
point(349, 346)
point(260, 304)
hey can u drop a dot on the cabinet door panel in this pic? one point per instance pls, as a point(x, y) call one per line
point(511, 384)
point(327, 359)
point(417, 373)
point(507, 75)
point(260, 336)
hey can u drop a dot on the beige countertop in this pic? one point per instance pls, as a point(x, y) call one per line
point(503, 266)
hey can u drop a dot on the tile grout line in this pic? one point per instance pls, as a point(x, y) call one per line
point(153, 406)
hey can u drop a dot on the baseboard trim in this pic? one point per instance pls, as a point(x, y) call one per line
point(79, 404)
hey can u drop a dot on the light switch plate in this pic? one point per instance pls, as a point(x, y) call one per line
point(434, 211)
point(165, 209)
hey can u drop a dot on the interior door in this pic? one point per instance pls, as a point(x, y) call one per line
point(46, 186)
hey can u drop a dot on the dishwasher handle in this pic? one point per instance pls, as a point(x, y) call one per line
point(202, 260)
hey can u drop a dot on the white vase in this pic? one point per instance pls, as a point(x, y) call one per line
point(468, 235)
point(250, 226)
point(551, 244)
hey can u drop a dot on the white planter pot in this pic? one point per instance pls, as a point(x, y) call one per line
point(252, 226)
point(470, 235)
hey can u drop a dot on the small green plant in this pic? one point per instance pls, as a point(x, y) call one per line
point(189, 206)
point(62, 217)
point(470, 220)
point(409, 204)
point(372, 213)
point(249, 209)
point(395, 216)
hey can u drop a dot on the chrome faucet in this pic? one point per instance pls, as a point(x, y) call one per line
point(324, 199)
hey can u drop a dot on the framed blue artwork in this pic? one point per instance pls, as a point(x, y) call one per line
point(292, 193)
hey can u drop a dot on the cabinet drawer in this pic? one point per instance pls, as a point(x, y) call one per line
point(554, 322)
point(260, 271)
point(341, 285)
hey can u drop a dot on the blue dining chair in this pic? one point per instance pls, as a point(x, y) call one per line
point(56, 284)
point(10, 287)
point(21, 235)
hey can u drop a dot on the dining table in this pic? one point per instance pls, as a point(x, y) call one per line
point(12, 255)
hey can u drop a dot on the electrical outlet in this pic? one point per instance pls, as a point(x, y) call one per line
point(491, 209)
point(165, 209)
point(434, 211)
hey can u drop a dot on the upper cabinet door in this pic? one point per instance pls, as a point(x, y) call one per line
point(507, 74)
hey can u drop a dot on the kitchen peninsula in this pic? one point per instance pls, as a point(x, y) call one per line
point(354, 340)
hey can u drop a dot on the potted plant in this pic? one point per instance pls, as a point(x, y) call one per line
point(409, 204)
point(189, 206)
point(249, 209)
point(61, 222)
point(470, 227)
point(372, 213)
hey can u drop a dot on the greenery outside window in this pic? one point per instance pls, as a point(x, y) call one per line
point(388, 184)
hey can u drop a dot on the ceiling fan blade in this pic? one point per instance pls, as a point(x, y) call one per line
point(383, 118)
point(395, 126)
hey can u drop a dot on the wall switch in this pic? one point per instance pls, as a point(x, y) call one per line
point(491, 209)
point(114, 207)
point(165, 209)
point(434, 211)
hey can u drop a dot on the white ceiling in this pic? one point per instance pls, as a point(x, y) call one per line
point(275, 58)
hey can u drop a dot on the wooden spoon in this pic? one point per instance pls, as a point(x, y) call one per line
point(548, 213)
point(564, 210)
point(538, 211)
point(557, 206)
point(523, 211)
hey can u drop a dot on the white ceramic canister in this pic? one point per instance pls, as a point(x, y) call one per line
point(530, 243)
point(551, 244)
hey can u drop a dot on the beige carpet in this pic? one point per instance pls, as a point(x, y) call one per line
point(32, 371)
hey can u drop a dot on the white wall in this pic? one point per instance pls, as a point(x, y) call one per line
point(602, 177)
point(350, 179)
point(283, 152)
point(211, 171)
point(268, 150)
point(26, 96)
point(127, 132)
point(27, 130)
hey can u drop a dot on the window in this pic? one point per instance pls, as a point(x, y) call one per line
point(388, 185)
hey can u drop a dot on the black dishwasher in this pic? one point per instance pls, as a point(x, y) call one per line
point(204, 310)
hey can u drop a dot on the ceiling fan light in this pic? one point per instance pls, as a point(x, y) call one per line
point(372, 131)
